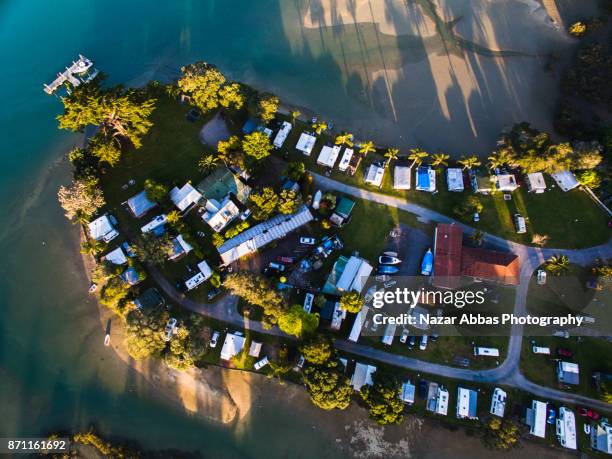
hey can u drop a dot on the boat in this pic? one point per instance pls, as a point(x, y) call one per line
point(107, 339)
point(390, 254)
point(388, 260)
point(387, 269)
point(93, 287)
point(427, 263)
point(317, 199)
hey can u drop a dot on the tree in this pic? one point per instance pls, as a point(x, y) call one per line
point(106, 150)
point(383, 399)
point(295, 170)
point(469, 207)
point(577, 29)
point(417, 156)
point(328, 388)
point(289, 202)
point(501, 434)
point(153, 249)
point(590, 179)
point(351, 302)
point(81, 199)
point(92, 247)
point(202, 82)
point(391, 154)
point(263, 203)
point(155, 191)
point(257, 145)
point(294, 114)
point(186, 347)
point(119, 114)
point(230, 151)
point(586, 156)
point(208, 162)
point(603, 269)
point(469, 162)
point(439, 159)
point(318, 351)
point(367, 147)
point(345, 139)
point(499, 159)
point(540, 239)
point(477, 238)
point(258, 291)
point(557, 265)
point(145, 333)
point(113, 295)
point(267, 106)
point(231, 96)
point(320, 127)
point(298, 322)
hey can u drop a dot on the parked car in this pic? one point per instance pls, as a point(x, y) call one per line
point(423, 343)
point(588, 413)
point(564, 352)
point(287, 260)
point(246, 214)
point(423, 386)
point(404, 335)
point(308, 240)
point(169, 330)
point(412, 341)
point(213, 293)
point(214, 339)
point(262, 363)
point(387, 269)
point(279, 267)
point(552, 416)
point(541, 277)
point(387, 260)
point(476, 217)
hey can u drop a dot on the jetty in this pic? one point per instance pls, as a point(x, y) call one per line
point(81, 71)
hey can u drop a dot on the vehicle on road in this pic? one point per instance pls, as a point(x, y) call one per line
point(423, 343)
point(588, 413)
point(307, 240)
point(404, 335)
point(278, 266)
point(388, 269)
point(427, 263)
point(387, 260)
point(215, 339)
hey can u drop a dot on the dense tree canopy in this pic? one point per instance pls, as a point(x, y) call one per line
point(155, 191)
point(202, 82)
point(145, 335)
point(258, 291)
point(153, 249)
point(263, 203)
point(382, 399)
point(327, 386)
point(317, 351)
point(267, 105)
point(351, 302)
point(81, 199)
point(257, 145)
point(298, 322)
point(289, 201)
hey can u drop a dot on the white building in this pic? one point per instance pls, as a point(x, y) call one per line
point(328, 156)
point(362, 376)
point(566, 428)
point(506, 182)
point(338, 315)
point(358, 324)
point(346, 159)
point(232, 346)
point(251, 240)
point(219, 214)
point(204, 273)
point(454, 178)
point(535, 183)
point(158, 221)
point(437, 399)
point(536, 418)
point(601, 436)
point(102, 229)
point(180, 247)
point(467, 400)
point(565, 179)
point(408, 392)
point(389, 335)
point(282, 134)
point(401, 177)
point(116, 257)
point(355, 275)
point(185, 197)
point(306, 143)
point(486, 351)
point(255, 349)
point(140, 204)
point(374, 175)
point(498, 402)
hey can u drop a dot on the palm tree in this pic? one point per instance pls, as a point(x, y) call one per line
point(345, 139)
point(320, 127)
point(91, 247)
point(500, 158)
point(470, 162)
point(417, 156)
point(439, 159)
point(540, 239)
point(366, 147)
point(391, 154)
point(295, 114)
point(557, 265)
point(477, 237)
point(208, 163)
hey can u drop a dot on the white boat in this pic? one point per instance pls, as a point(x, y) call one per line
point(107, 339)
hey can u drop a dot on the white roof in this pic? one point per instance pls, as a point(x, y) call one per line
point(157, 221)
point(498, 402)
point(488, 351)
point(346, 159)
point(116, 257)
point(454, 177)
point(218, 215)
point(408, 390)
point(337, 317)
point(194, 281)
point(306, 143)
point(565, 179)
point(358, 324)
point(535, 181)
point(566, 428)
point(328, 155)
point(232, 345)
point(375, 175)
point(254, 238)
point(466, 403)
point(430, 185)
point(185, 196)
point(401, 177)
point(536, 418)
point(506, 182)
point(308, 299)
point(389, 334)
point(184, 244)
point(442, 401)
point(355, 275)
point(101, 227)
point(205, 269)
point(282, 134)
point(255, 349)
point(570, 367)
point(362, 375)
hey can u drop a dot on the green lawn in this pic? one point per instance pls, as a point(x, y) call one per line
point(571, 219)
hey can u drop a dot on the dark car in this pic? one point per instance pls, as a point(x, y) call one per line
point(213, 293)
point(412, 341)
point(564, 352)
point(423, 388)
point(588, 413)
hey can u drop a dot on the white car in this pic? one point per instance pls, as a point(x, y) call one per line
point(246, 214)
point(404, 335)
point(214, 339)
point(169, 330)
point(308, 240)
point(541, 277)
point(262, 363)
point(423, 343)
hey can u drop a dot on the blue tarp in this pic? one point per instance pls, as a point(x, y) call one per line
point(140, 204)
point(249, 126)
point(423, 178)
point(130, 276)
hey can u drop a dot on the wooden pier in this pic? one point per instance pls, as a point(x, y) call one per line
point(81, 71)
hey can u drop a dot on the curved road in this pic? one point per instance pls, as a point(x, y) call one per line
point(508, 373)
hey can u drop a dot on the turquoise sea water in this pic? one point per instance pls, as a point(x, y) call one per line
point(53, 371)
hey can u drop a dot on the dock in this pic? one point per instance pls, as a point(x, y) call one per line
point(81, 71)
